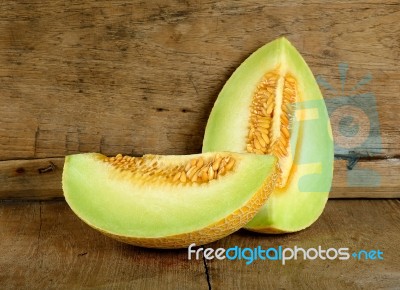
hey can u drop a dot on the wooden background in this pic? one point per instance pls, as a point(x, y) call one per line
point(44, 245)
point(142, 76)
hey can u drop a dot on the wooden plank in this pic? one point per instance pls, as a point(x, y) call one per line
point(354, 224)
point(366, 178)
point(45, 246)
point(41, 179)
point(31, 179)
point(141, 77)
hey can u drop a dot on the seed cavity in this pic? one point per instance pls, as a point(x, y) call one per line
point(271, 113)
point(198, 170)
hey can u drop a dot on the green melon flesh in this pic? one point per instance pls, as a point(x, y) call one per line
point(302, 200)
point(132, 209)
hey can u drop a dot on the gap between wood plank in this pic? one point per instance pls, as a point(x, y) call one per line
point(353, 159)
point(40, 179)
point(207, 272)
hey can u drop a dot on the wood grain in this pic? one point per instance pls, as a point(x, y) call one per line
point(353, 224)
point(45, 246)
point(40, 179)
point(366, 178)
point(141, 77)
point(31, 179)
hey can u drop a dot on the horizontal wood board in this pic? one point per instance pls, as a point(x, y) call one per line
point(44, 245)
point(141, 77)
point(40, 179)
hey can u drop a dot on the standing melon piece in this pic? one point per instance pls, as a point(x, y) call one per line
point(168, 201)
point(272, 105)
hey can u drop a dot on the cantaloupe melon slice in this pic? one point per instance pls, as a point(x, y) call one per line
point(272, 105)
point(168, 201)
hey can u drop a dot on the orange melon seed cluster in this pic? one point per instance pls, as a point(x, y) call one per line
point(198, 170)
point(261, 137)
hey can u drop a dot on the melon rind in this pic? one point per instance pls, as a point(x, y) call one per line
point(163, 215)
point(302, 201)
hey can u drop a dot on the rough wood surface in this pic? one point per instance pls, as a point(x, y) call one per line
point(45, 246)
point(40, 179)
point(31, 179)
point(355, 224)
point(366, 178)
point(141, 77)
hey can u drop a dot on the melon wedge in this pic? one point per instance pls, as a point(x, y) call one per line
point(272, 105)
point(168, 201)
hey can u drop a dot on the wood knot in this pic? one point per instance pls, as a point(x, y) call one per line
point(49, 168)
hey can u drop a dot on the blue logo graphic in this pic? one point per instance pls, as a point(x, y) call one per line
point(355, 125)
